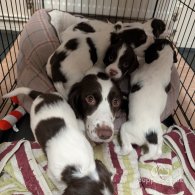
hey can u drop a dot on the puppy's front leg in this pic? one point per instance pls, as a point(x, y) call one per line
point(154, 148)
point(125, 140)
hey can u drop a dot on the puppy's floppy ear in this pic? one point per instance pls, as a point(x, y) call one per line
point(151, 54)
point(158, 27)
point(74, 100)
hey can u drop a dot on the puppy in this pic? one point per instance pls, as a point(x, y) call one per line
point(132, 35)
point(120, 60)
point(147, 100)
point(153, 28)
point(121, 57)
point(70, 156)
point(69, 63)
point(96, 101)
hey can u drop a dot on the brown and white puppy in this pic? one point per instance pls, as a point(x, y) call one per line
point(147, 100)
point(120, 60)
point(71, 163)
point(132, 35)
point(134, 38)
point(96, 100)
point(120, 57)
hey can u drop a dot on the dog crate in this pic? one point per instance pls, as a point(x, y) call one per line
point(179, 16)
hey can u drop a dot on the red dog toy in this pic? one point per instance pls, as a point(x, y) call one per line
point(10, 119)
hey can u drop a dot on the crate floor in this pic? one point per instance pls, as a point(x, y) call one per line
point(26, 133)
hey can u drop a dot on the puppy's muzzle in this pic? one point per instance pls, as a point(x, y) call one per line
point(113, 72)
point(104, 132)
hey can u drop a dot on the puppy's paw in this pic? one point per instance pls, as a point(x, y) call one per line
point(117, 149)
point(144, 158)
point(121, 151)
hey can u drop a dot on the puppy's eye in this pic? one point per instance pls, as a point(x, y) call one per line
point(125, 64)
point(116, 102)
point(111, 58)
point(90, 100)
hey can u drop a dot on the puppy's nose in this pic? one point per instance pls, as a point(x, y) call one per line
point(104, 132)
point(112, 72)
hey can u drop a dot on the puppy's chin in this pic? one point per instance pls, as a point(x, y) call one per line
point(116, 76)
